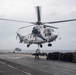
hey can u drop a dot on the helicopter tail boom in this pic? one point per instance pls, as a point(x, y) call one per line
point(20, 37)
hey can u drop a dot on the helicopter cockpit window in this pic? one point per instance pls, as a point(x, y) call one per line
point(47, 32)
point(35, 31)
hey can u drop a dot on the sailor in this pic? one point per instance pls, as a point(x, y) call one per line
point(37, 54)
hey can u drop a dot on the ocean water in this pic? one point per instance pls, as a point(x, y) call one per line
point(43, 51)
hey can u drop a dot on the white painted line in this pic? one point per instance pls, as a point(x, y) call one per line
point(10, 66)
point(3, 63)
point(26, 73)
point(19, 70)
point(15, 68)
point(23, 71)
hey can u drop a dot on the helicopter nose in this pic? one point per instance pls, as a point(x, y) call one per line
point(55, 36)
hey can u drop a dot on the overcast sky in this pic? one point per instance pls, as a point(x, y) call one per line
point(24, 10)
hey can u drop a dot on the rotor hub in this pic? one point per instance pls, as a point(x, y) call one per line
point(38, 23)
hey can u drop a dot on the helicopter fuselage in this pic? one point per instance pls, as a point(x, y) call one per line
point(40, 35)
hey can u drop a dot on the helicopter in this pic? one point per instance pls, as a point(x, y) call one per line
point(41, 32)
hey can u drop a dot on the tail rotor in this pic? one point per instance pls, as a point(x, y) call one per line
point(20, 37)
point(16, 35)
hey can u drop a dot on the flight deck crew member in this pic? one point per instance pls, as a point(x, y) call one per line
point(37, 54)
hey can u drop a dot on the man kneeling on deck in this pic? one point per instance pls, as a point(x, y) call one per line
point(37, 54)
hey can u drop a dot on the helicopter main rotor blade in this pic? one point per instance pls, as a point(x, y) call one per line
point(50, 26)
point(16, 20)
point(59, 21)
point(26, 26)
point(38, 14)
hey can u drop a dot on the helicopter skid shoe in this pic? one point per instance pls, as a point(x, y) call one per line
point(41, 46)
point(49, 45)
point(28, 45)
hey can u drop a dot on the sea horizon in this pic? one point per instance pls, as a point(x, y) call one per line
point(43, 51)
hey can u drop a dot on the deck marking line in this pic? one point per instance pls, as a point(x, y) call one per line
point(10, 66)
point(15, 68)
point(3, 63)
point(23, 71)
